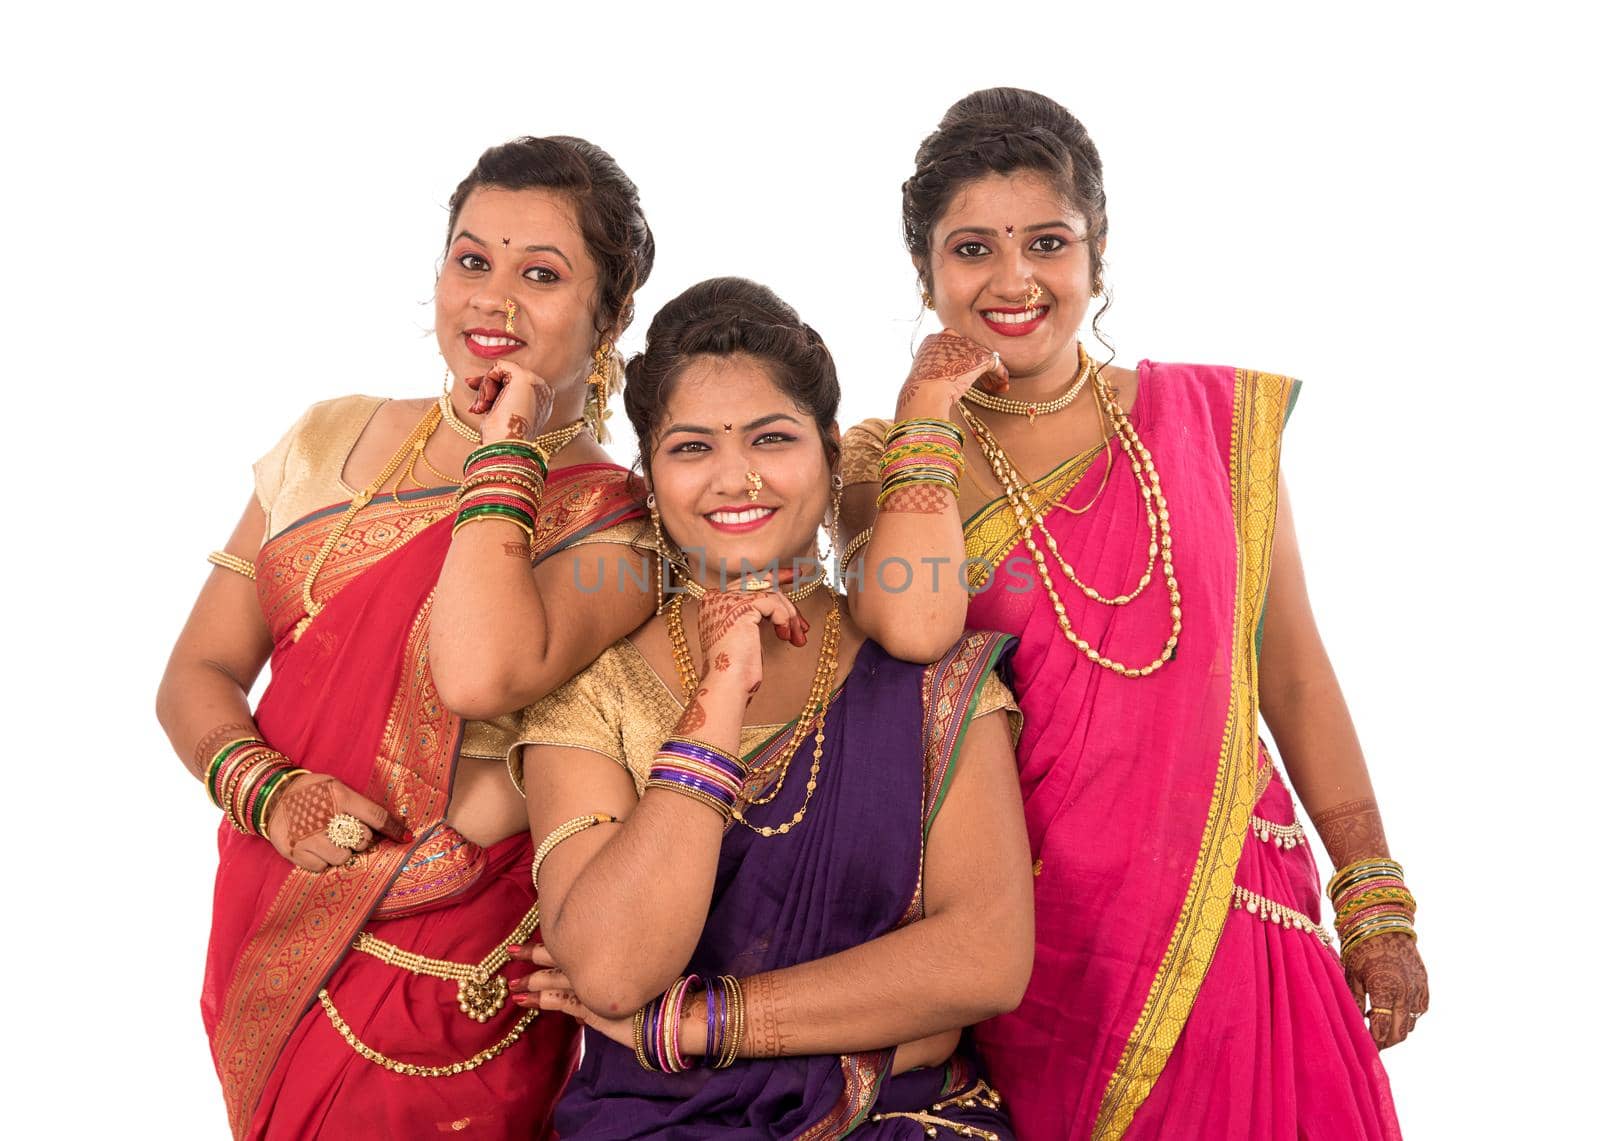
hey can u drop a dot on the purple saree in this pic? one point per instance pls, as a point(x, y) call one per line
point(851, 873)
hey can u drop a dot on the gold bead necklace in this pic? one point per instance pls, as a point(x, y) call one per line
point(1029, 518)
point(549, 442)
point(1034, 408)
point(415, 442)
point(814, 711)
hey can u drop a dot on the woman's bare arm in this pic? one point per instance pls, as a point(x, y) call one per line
point(203, 700)
point(1303, 706)
point(506, 632)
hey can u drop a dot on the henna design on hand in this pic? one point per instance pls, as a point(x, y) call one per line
point(694, 716)
point(308, 808)
point(1388, 970)
point(947, 355)
point(214, 740)
point(1351, 831)
point(722, 662)
point(919, 499)
point(767, 1008)
point(719, 613)
point(517, 426)
point(519, 551)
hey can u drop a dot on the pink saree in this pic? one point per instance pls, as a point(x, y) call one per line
point(1157, 1006)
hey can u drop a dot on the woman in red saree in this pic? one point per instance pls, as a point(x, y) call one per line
point(1129, 528)
point(364, 915)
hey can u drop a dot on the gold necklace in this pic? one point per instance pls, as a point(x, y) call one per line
point(412, 447)
point(815, 710)
point(694, 590)
point(480, 989)
point(1028, 518)
point(549, 442)
point(1034, 408)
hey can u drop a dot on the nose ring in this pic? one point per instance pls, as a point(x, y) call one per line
point(511, 315)
point(753, 478)
point(1034, 294)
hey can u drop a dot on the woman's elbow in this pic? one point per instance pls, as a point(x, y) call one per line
point(921, 640)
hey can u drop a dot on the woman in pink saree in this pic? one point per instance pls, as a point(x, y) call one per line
point(1129, 527)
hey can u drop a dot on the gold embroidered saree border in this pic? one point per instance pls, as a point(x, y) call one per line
point(1260, 405)
point(308, 928)
point(992, 531)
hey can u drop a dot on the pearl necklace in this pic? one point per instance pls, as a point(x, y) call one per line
point(1029, 518)
point(1034, 409)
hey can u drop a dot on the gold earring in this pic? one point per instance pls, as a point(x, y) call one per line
point(927, 299)
point(753, 478)
point(833, 518)
point(661, 552)
point(511, 315)
point(599, 383)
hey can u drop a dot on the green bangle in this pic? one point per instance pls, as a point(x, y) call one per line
point(221, 756)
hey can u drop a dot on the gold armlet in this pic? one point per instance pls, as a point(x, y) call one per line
point(234, 563)
point(565, 832)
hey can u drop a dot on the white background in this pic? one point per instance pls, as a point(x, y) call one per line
point(218, 215)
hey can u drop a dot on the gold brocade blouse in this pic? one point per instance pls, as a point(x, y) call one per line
point(304, 473)
point(622, 709)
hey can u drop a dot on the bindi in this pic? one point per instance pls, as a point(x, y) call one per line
point(1011, 231)
point(507, 241)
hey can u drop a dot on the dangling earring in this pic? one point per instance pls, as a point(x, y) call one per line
point(599, 383)
point(833, 518)
point(927, 299)
point(661, 553)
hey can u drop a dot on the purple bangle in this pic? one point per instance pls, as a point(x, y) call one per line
point(705, 754)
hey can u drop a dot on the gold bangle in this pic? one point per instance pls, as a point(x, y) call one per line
point(234, 563)
point(564, 832)
point(515, 522)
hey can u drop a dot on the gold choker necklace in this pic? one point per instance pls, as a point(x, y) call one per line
point(1036, 408)
point(549, 442)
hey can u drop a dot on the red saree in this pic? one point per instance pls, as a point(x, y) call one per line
point(1157, 1007)
point(353, 697)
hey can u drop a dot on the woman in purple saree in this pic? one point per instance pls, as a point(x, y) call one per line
point(861, 876)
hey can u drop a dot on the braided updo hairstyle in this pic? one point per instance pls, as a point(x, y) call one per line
point(604, 198)
point(721, 317)
point(1004, 130)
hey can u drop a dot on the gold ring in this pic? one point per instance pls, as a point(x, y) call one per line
point(345, 831)
point(754, 585)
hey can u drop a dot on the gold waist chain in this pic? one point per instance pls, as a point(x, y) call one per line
point(480, 992)
point(480, 989)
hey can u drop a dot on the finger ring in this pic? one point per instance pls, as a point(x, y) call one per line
point(754, 585)
point(996, 363)
point(345, 831)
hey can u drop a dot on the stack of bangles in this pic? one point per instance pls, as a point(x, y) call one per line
point(657, 1029)
point(503, 480)
point(244, 778)
point(699, 771)
point(1370, 898)
point(921, 452)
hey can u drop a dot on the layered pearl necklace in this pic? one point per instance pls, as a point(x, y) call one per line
point(1029, 518)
